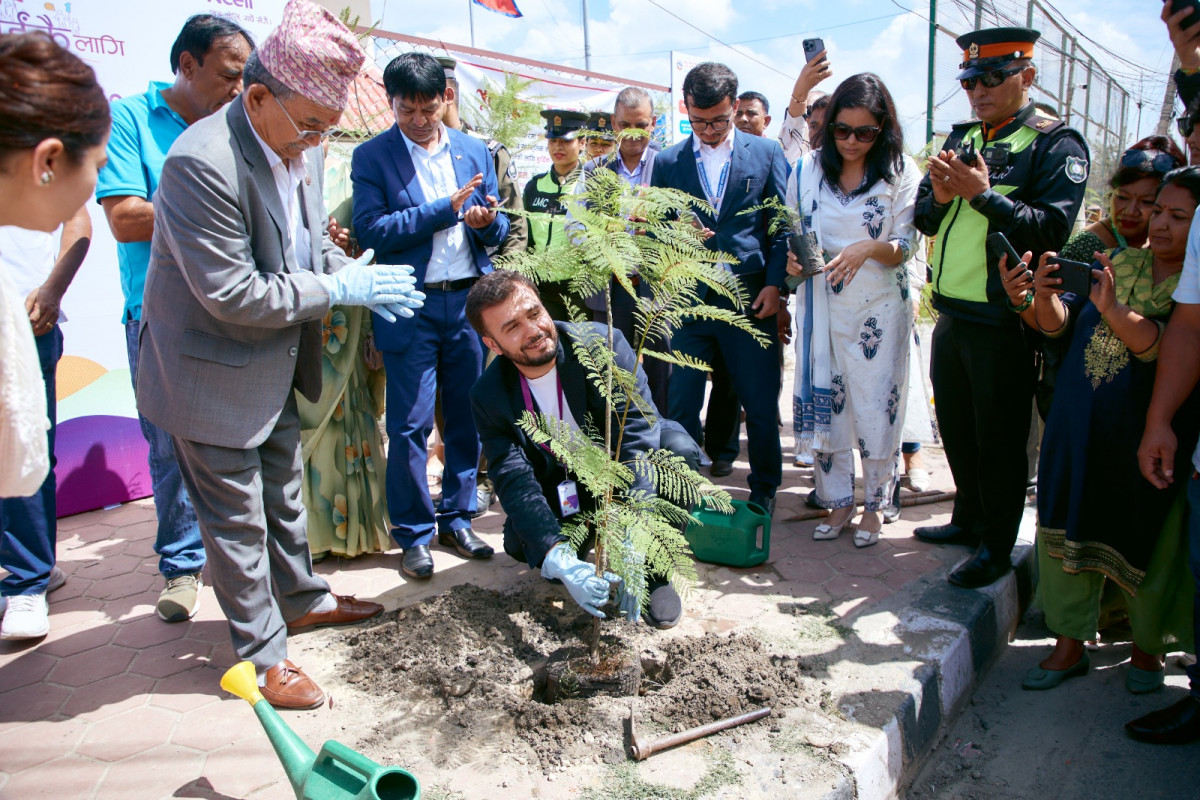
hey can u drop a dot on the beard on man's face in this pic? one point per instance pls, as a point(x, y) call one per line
point(536, 352)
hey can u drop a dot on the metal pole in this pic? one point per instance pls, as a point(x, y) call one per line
point(643, 749)
point(929, 91)
point(587, 46)
point(471, 15)
point(978, 14)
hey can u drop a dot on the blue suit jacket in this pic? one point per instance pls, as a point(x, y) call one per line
point(393, 216)
point(757, 171)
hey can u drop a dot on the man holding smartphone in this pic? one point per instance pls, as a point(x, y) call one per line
point(1016, 172)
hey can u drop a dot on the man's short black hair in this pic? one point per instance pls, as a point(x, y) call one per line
point(707, 84)
point(198, 35)
point(492, 290)
point(759, 96)
point(414, 76)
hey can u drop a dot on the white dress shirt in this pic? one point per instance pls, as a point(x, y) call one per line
point(288, 175)
point(712, 161)
point(451, 257)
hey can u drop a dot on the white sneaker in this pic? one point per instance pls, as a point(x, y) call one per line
point(57, 579)
point(918, 479)
point(27, 617)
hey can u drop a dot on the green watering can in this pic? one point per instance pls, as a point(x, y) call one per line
point(741, 539)
point(337, 772)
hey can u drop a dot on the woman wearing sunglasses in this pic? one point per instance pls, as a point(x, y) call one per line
point(1099, 520)
point(856, 193)
point(1134, 185)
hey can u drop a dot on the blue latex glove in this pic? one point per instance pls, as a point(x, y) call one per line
point(586, 588)
point(388, 290)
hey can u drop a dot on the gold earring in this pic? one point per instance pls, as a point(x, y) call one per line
point(47, 176)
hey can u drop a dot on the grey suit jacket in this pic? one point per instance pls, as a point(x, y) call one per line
point(230, 321)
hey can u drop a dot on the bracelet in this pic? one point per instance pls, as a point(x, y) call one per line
point(1018, 309)
point(801, 102)
point(1186, 72)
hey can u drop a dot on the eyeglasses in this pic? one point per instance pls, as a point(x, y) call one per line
point(716, 125)
point(1148, 161)
point(991, 80)
point(865, 134)
point(1186, 125)
point(304, 135)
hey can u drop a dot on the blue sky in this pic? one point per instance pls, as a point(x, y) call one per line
point(633, 38)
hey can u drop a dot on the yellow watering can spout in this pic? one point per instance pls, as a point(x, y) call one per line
point(242, 680)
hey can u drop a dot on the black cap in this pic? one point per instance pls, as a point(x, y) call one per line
point(600, 124)
point(562, 123)
point(994, 48)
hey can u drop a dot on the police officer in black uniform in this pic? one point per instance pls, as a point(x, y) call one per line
point(1015, 172)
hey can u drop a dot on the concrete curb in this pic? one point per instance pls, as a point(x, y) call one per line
point(950, 636)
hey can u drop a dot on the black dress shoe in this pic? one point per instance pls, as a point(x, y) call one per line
point(485, 496)
point(810, 500)
point(762, 501)
point(720, 469)
point(946, 534)
point(981, 569)
point(1175, 724)
point(665, 609)
point(417, 563)
point(466, 543)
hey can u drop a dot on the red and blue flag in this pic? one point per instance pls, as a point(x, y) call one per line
point(506, 7)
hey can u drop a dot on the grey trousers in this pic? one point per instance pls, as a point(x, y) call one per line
point(252, 518)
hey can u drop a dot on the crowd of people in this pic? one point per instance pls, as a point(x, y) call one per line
point(311, 327)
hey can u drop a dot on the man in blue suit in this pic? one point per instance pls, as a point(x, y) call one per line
point(425, 195)
point(733, 172)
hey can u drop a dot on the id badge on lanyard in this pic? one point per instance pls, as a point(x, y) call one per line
point(568, 491)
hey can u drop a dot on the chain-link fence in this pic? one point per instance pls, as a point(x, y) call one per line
point(1070, 81)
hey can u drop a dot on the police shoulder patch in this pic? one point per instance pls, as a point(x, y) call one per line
point(1076, 169)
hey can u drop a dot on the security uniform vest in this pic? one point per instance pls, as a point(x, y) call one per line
point(544, 197)
point(965, 277)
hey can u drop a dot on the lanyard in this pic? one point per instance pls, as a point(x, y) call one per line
point(714, 200)
point(528, 397)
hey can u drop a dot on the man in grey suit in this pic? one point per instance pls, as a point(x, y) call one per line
point(241, 274)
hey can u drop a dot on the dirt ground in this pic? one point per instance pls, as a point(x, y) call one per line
point(447, 688)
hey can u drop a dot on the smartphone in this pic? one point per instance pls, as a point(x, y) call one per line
point(811, 48)
point(997, 245)
point(1192, 18)
point(1076, 276)
point(966, 153)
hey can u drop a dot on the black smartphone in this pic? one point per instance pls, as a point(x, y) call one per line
point(1192, 18)
point(997, 245)
point(965, 152)
point(811, 48)
point(1076, 276)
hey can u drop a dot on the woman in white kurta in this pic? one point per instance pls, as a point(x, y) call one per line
point(856, 194)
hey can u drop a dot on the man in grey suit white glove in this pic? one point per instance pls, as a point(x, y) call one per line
point(242, 271)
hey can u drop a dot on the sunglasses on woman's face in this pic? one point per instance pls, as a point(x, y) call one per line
point(1148, 161)
point(865, 134)
point(990, 80)
point(1186, 125)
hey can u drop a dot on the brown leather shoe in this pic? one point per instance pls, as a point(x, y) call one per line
point(349, 609)
point(288, 687)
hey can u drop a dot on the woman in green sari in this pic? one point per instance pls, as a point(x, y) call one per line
point(341, 446)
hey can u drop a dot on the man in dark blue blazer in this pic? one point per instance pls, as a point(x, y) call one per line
point(733, 172)
point(425, 195)
point(537, 369)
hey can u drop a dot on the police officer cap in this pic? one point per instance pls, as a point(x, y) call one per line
point(600, 124)
point(562, 123)
point(994, 48)
point(448, 64)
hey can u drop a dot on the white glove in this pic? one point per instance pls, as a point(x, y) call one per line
point(385, 289)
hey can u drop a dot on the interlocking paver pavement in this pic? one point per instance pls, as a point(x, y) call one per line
point(117, 703)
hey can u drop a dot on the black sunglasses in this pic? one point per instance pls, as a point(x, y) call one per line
point(865, 134)
point(991, 80)
point(1148, 161)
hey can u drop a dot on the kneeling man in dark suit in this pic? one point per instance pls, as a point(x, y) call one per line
point(538, 370)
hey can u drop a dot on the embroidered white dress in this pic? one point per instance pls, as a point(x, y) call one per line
point(862, 364)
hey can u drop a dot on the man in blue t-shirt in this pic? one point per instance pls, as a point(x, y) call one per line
point(207, 59)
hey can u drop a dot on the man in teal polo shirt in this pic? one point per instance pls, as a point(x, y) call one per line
point(207, 59)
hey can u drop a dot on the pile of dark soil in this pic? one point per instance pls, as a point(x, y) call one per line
point(457, 676)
